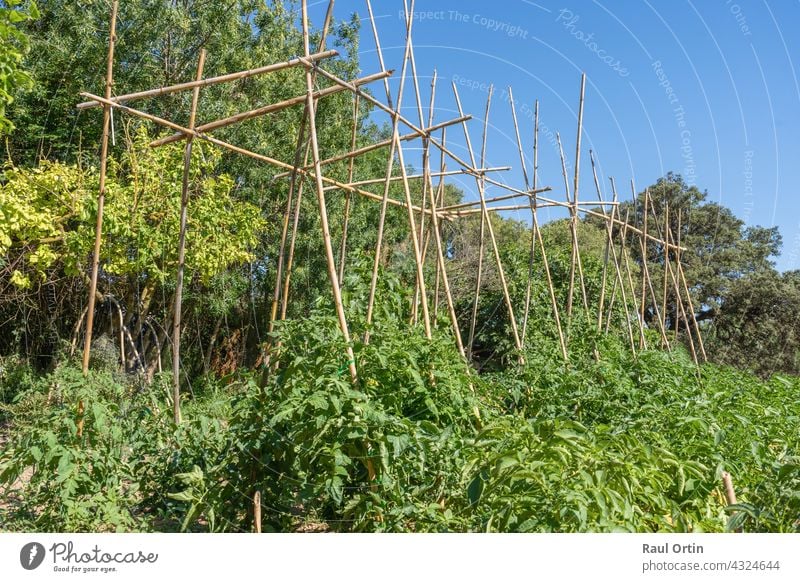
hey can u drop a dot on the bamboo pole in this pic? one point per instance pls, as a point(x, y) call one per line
point(323, 211)
point(395, 113)
point(666, 260)
point(242, 151)
point(281, 294)
point(489, 227)
point(627, 267)
point(380, 54)
point(573, 227)
point(662, 330)
point(682, 311)
point(420, 177)
point(101, 197)
point(271, 108)
point(442, 267)
point(643, 244)
point(176, 320)
point(532, 254)
point(257, 511)
point(350, 169)
point(685, 285)
point(482, 237)
point(210, 81)
point(389, 167)
point(426, 169)
point(606, 251)
point(439, 201)
point(538, 234)
point(380, 144)
point(677, 260)
point(618, 281)
point(530, 194)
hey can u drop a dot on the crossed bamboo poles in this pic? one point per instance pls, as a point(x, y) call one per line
point(425, 219)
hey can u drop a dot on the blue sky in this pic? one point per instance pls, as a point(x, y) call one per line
point(708, 89)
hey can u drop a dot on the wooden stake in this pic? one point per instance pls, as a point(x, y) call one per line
point(257, 511)
point(176, 320)
point(101, 197)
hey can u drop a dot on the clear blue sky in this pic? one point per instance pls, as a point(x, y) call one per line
point(708, 89)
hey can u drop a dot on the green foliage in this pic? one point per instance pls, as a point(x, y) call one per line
point(14, 45)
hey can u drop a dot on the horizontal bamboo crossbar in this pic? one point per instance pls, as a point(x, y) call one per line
point(245, 152)
point(497, 199)
point(211, 80)
point(395, 114)
point(421, 176)
point(272, 108)
point(378, 145)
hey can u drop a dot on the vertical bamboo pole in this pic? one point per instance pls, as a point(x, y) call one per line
point(677, 260)
point(631, 286)
point(700, 343)
point(415, 241)
point(281, 293)
point(482, 238)
point(536, 234)
point(619, 281)
point(390, 162)
point(682, 310)
point(257, 511)
point(101, 197)
point(424, 236)
point(176, 319)
point(524, 167)
point(661, 329)
point(643, 243)
point(667, 227)
point(532, 252)
point(451, 309)
point(347, 196)
point(439, 202)
point(485, 212)
point(606, 252)
point(573, 226)
point(323, 211)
